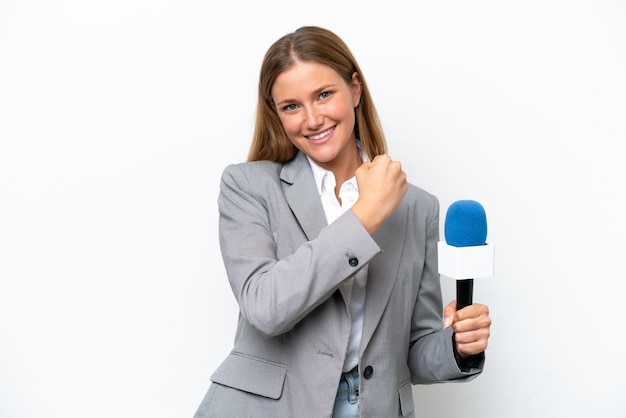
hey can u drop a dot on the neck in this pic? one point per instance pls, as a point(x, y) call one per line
point(345, 168)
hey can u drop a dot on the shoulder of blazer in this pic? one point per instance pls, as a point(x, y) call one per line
point(288, 172)
point(253, 170)
point(423, 201)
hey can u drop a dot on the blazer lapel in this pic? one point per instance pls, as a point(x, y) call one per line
point(302, 195)
point(383, 271)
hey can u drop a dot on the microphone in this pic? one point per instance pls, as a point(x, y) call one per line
point(465, 255)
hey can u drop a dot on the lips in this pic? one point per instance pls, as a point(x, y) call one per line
point(321, 135)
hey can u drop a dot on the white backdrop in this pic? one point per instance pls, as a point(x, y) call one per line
point(117, 118)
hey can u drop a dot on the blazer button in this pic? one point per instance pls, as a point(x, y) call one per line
point(368, 372)
point(353, 261)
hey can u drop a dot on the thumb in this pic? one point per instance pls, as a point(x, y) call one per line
point(448, 314)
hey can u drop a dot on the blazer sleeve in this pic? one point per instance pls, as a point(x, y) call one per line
point(275, 294)
point(431, 354)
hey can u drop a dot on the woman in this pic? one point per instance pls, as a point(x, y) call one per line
point(331, 256)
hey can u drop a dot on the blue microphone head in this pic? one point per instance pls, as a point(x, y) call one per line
point(465, 224)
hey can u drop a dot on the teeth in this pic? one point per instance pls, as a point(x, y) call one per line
point(322, 135)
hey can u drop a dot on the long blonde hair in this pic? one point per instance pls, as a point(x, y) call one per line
point(309, 44)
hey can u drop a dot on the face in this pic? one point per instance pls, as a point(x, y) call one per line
point(316, 107)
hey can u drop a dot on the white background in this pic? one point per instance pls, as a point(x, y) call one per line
point(117, 118)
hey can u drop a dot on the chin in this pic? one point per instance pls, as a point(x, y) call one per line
point(322, 158)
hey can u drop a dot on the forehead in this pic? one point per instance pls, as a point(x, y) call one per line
point(303, 78)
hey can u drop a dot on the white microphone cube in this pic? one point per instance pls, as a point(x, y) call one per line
point(466, 262)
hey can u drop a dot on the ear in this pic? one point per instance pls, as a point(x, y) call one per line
point(356, 89)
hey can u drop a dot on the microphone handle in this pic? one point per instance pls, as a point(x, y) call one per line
point(464, 291)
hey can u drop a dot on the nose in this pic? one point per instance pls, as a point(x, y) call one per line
point(313, 117)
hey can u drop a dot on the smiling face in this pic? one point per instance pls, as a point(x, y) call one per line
point(316, 107)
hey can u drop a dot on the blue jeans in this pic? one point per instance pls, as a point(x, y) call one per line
point(347, 400)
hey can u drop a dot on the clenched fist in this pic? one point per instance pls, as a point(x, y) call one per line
point(382, 185)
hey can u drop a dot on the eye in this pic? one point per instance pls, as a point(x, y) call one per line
point(325, 95)
point(289, 108)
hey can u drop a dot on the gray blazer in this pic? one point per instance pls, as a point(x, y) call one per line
point(285, 265)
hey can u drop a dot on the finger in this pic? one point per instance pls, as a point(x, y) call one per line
point(469, 349)
point(472, 328)
point(381, 157)
point(482, 322)
point(473, 336)
point(472, 311)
